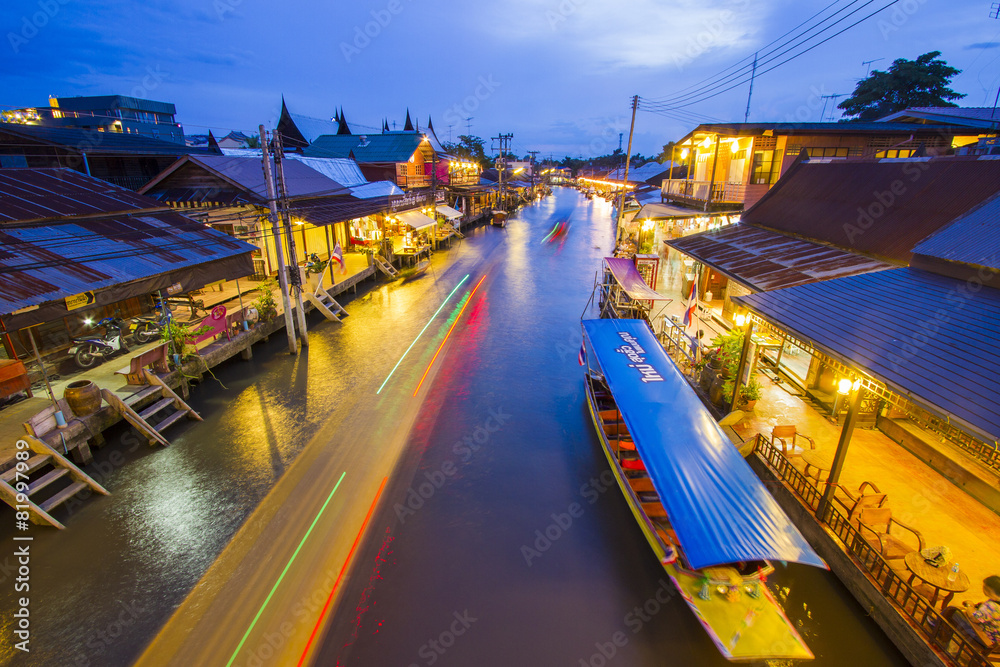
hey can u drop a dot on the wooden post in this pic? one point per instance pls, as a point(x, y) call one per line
point(329, 253)
point(838, 458)
point(747, 335)
point(711, 180)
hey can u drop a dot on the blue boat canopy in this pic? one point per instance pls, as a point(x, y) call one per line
point(718, 507)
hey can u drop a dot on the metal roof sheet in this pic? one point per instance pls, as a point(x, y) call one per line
point(878, 207)
point(859, 127)
point(911, 329)
point(342, 170)
point(49, 261)
point(377, 189)
point(97, 143)
point(973, 238)
point(34, 194)
point(658, 211)
point(391, 147)
point(766, 260)
point(328, 212)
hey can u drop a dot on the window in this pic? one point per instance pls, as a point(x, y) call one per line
point(766, 167)
point(827, 152)
point(895, 153)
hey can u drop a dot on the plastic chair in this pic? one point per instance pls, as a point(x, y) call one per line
point(868, 495)
point(879, 522)
point(786, 433)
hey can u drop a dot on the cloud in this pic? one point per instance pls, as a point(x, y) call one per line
point(982, 45)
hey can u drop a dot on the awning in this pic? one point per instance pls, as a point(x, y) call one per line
point(416, 219)
point(928, 337)
point(764, 260)
point(718, 507)
point(449, 212)
point(630, 280)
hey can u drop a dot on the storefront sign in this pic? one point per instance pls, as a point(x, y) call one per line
point(80, 300)
point(174, 289)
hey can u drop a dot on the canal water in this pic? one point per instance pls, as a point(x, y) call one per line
point(473, 556)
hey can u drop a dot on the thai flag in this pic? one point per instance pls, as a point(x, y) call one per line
point(581, 358)
point(338, 256)
point(692, 304)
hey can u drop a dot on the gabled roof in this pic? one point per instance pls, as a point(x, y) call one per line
point(878, 322)
point(646, 172)
point(970, 117)
point(973, 238)
point(392, 147)
point(299, 131)
point(97, 143)
point(881, 208)
point(246, 175)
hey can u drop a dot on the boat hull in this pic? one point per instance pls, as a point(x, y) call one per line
point(745, 629)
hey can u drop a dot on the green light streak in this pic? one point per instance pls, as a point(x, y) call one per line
point(421, 333)
point(285, 571)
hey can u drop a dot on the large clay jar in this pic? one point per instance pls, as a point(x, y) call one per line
point(83, 397)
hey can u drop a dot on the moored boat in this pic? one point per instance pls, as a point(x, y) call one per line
point(706, 515)
point(499, 219)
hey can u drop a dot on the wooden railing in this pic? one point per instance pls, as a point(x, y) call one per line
point(722, 192)
point(936, 630)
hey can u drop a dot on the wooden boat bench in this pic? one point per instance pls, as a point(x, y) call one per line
point(155, 358)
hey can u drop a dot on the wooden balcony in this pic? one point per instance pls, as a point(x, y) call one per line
point(705, 195)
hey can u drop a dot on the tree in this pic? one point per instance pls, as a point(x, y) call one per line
point(907, 83)
point(253, 141)
point(470, 148)
point(668, 153)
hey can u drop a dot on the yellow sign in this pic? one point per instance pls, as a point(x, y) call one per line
point(80, 300)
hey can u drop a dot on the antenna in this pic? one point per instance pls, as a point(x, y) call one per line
point(995, 10)
point(868, 65)
point(468, 125)
point(834, 96)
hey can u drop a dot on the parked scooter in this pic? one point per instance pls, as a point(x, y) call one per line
point(146, 329)
point(90, 351)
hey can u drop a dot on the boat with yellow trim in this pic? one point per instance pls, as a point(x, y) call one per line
point(707, 516)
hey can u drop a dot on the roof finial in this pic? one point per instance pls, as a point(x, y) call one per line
point(408, 127)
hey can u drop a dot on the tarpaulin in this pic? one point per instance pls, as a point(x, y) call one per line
point(630, 280)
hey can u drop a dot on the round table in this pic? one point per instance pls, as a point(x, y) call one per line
point(821, 459)
point(936, 577)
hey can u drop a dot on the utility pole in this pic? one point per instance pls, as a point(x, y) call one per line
point(504, 140)
point(531, 165)
point(279, 253)
point(294, 275)
point(753, 73)
point(628, 161)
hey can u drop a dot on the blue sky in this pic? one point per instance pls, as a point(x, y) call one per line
point(556, 73)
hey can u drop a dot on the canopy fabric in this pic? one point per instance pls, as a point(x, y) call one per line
point(416, 219)
point(718, 507)
point(630, 280)
point(449, 212)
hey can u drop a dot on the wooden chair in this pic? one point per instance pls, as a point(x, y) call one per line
point(957, 616)
point(788, 433)
point(867, 495)
point(876, 527)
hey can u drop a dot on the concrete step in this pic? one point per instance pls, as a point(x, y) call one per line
point(156, 407)
point(62, 496)
point(34, 463)
point(177, 416)
point(46, 479)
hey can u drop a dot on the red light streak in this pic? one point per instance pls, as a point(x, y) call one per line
point(341, 575)
point(467, 302)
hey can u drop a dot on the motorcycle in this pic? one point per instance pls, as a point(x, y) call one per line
point(146, 329)
point(89, 350)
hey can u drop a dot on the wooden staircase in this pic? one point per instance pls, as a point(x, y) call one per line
point(385, 267)
point(43, 467)
point(323, 302)
point(155, 418)
point(454, 229)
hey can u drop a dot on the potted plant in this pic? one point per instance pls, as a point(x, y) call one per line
point(181, 338)
point(750, 393)
point(266, 307)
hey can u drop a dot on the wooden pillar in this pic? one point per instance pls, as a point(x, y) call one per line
point(838, 458)
point(747, 336)
point(711, 180)
point(329, 252)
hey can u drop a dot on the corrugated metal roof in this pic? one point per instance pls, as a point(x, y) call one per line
point(342, 170)
point(34, 194)
point(862, 127)
point(311, 128)
point(976, 117)
point(391, 147)
point(907, 328)
point(54, 260)
point(327, 212)
point(98, 143)
point(878, 207)
point(377, 189)
point(974, 238)
point(765, 260)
